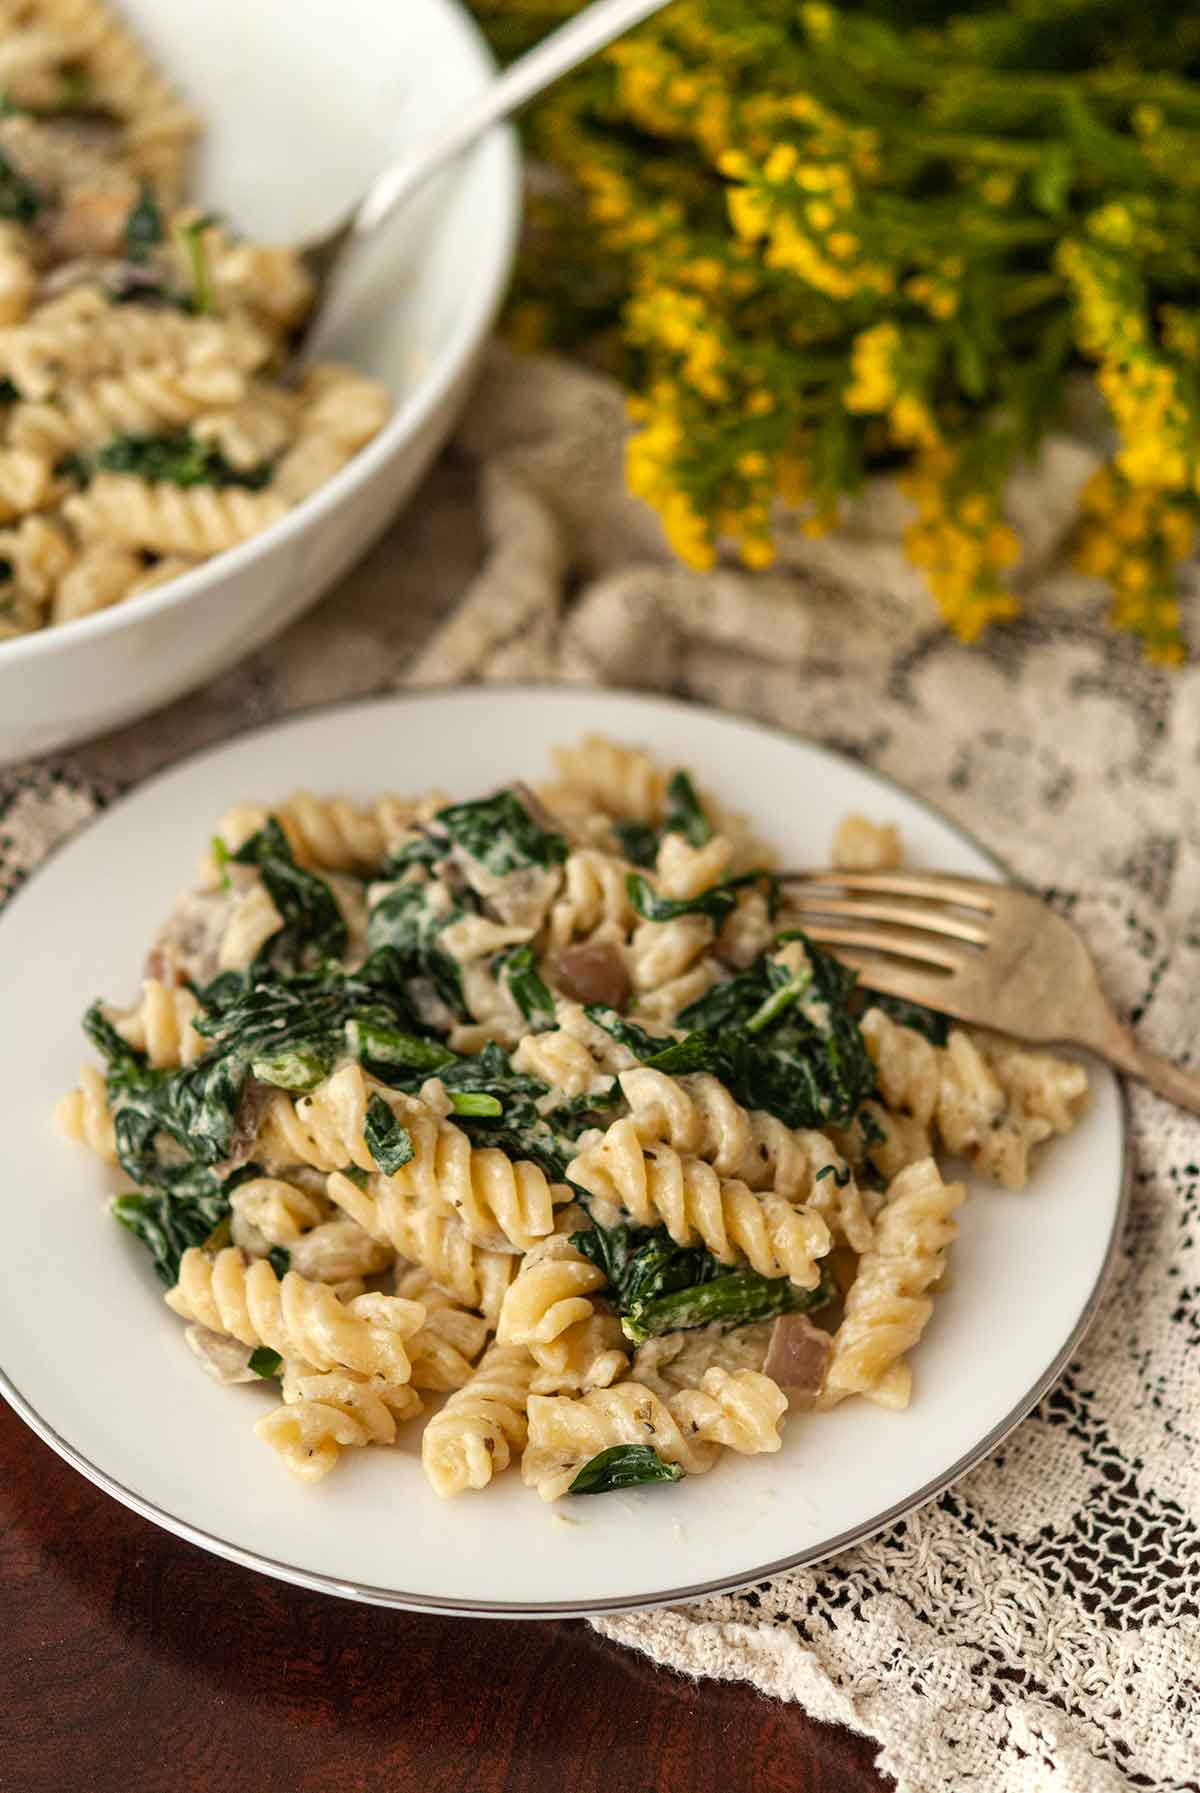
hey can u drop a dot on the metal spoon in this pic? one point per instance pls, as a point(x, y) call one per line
point(327, 257)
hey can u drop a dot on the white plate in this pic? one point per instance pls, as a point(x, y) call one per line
point(97, 1366)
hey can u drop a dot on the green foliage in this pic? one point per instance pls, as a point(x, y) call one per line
point(818, 241)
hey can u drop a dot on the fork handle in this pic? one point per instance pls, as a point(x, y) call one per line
point(1164, 1077)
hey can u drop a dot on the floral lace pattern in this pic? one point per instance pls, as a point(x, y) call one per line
point(1035, 1627)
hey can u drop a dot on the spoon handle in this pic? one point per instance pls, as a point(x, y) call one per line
point(556, 55)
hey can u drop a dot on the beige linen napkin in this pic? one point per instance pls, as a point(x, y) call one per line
point(1035, 1628)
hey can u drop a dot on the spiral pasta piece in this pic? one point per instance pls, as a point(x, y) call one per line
point(443, 1351)
point(594, 901)
point(622, 780)
point(502, 1204)
point(697, 1115)
point(438, 1243)
point(863, 846)
point(988, 1100)
point(684, 871)
point(325, 1129)
point(476, 1433)
point(82, 336)
point(329, 833)
point(84, 1114)
point(550, 1310)
point(166, 519)
point(740, 1410)
point(18, 276)
point(658, 1186)
point(325, 1414)
point(161, 1025)
point(268, 1211)
point(590, 1353)
point(550, 1293)
point(160, 127)
point(888, 1306)
point(103, 574)
point(562, 1062)
point(294, 1317)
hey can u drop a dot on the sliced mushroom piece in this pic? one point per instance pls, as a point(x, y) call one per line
point(592, 972)
point(224, 1359)
point(797, 1357)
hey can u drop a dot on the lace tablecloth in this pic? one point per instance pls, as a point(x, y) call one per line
point(1036, 1627)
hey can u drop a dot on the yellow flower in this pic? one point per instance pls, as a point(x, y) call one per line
point(756, 551)
point(872, 360)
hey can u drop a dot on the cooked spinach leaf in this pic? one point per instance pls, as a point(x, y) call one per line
point(422, 850)
point(515, 967)
point(476, 1103)
point(406, 922)
point(388, 1142)
point(191, 238)
point(19, 198)
point(313, 929)
point(623, 1466)
point(175, 458)
point(168, 1221)
point(717, 904)
point(144, 225)
point(280, 1260)
point(500, 833)
point(777, 1040)
point(736, 1299)
point(643, 1045)
point(386, 1050)
point(685, 813)
point(265, 1362)
point(927, 1022)
point(659, 1286)
point(638, 841)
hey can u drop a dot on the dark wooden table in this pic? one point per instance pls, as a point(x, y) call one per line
point(131, 1662)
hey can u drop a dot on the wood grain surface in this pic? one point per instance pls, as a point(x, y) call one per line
point(131, 1662)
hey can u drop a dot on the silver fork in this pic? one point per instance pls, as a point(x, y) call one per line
point(328, 256)
point(981, 952)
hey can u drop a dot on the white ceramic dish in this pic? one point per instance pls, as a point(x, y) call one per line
point(301, 103)
point(95, 1363)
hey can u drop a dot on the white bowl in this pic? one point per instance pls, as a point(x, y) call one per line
point(302, 100)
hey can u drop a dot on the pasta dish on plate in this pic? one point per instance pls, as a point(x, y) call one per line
point(144, 423)
point(535, 1116)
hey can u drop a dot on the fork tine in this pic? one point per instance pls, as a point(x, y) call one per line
point(925, 921)
point(937, 887)
point(889, 979)
point(898, 943)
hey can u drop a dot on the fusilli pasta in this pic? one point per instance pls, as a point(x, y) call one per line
point(141, 344)
point(444, 1044)
point(741, 1411)
point(476, 1433)
point(296, 1318)
point(695, 1204)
